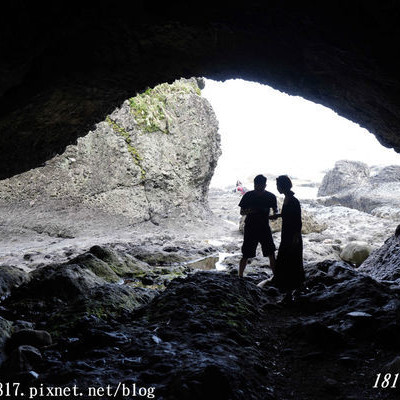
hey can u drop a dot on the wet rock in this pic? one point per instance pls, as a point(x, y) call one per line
point(356, 253)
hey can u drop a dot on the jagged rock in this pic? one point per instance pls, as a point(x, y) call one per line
point(391, 173)
point(356, 253)
point(154, 154)
point(384, 263)
point(349, 184)
point(345, 175)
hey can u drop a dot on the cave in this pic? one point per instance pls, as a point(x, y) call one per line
point(64, 69)
point(135, 317)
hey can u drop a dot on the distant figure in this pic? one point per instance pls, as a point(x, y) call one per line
point(256, 204)
point(240, 188)
point(289, 272)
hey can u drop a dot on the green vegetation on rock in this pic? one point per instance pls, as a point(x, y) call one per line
point(149, 108)
point(132, 150)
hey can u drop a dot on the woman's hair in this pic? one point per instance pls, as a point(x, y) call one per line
point(284, 182)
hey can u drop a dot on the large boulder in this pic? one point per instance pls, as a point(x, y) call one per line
point(345, 175)
point(356, 253)
point(351, 185)
point(155, 153)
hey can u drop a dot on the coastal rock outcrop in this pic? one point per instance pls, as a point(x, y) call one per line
point(353, 184)
point(345, 175)
point(154, 154)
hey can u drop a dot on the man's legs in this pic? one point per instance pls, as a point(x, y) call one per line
point(242, 266)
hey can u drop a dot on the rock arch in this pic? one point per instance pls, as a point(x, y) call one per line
point(64, 68)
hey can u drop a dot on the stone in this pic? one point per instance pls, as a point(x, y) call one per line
point(346, 174)
point(351, 185)
point(308, 65)
point(10, 277)
point(5, 333)
point(355, 253)
point(171, 144)
point(23, 358)
point(384, 263)
point(36, 338)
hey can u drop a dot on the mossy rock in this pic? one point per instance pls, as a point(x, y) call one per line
point(150, 108)
point(356, 253)
point(123, 264)
point(104, 302)
point(97, 266)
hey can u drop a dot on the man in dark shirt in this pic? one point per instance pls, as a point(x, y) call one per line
point(256, 204)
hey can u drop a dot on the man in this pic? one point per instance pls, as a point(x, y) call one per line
point(256, 204)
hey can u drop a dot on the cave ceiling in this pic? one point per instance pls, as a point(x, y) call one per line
point(64, 67)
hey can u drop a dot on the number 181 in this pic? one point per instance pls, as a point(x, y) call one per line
point(387, 381)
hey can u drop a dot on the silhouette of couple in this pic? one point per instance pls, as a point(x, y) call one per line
point(256, 204)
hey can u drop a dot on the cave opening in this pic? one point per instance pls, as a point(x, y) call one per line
point(267, 131)
point(109, 297)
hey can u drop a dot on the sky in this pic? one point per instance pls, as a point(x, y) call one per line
point(269, 132)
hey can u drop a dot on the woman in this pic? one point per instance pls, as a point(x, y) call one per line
point(289, 272)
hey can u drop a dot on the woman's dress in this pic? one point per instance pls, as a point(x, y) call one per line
point(289, 271)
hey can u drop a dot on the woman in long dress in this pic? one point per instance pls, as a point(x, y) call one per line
point(289, 271)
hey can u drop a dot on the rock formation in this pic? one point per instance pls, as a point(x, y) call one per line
point(351, 184)
point(63, 68)
point(345, 175)
point(209, 335)
point(384, 263)
point(154, 154)
point(356, 253)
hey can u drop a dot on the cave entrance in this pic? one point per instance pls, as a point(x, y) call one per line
point(267, 131)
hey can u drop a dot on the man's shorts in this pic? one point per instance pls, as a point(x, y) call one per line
point(253, 236)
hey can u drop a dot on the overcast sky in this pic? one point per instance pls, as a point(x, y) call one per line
point(267, 131)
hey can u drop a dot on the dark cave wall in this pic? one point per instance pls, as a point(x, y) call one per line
point(66, 67)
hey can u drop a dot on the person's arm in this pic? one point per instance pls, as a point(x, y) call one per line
point(275, 216)
point(275, 207)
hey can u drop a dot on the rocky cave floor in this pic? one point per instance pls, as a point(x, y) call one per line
point(157, 306)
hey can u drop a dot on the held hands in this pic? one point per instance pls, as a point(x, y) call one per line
point(274, 216)
point(246, 211)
